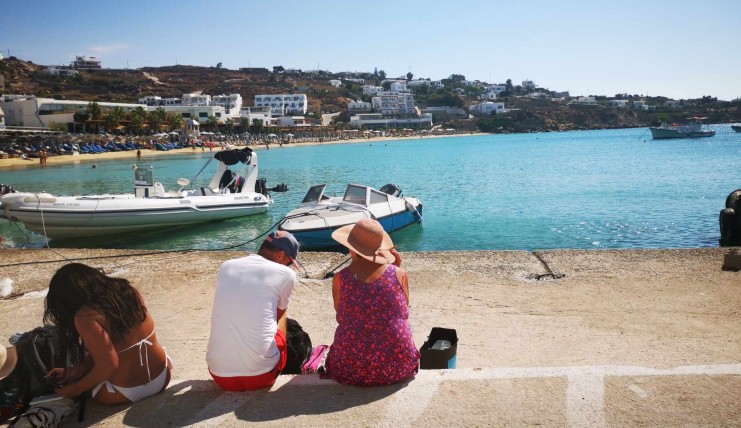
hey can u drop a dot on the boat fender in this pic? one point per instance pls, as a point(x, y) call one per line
point(730, 227)
point(412, 209)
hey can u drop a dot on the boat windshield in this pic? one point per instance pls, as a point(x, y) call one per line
point(314, 194)
point(355, 194)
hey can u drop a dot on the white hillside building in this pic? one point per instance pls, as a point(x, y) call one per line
point(283, 104)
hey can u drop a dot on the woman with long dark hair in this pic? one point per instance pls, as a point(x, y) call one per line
point(104, 323)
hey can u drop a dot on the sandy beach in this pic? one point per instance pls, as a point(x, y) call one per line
point(622, 338)
point(9, 163)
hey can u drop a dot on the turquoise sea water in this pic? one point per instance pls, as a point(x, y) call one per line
point(586, 189)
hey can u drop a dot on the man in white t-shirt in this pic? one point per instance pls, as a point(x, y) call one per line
point(247, 346)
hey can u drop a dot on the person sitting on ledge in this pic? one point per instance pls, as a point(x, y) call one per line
point(247, 346)
point(373, 343)
point(122, 361)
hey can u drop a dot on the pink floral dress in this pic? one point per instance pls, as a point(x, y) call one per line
point(373, 342)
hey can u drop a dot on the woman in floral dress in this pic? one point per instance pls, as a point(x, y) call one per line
point(373, 342)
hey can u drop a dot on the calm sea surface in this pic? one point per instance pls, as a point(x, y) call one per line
point(588, 189)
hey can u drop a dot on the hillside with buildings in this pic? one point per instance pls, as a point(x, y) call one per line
point(61, 95)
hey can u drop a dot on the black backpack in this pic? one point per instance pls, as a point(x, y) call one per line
point(298, 343)
point(38, 352)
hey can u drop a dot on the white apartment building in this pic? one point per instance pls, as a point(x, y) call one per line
point(426, 82)
point(398, 87)
point(336, 83)
point(492, 92)
point(528, 85)
point(263, 113)
point(283, 104)
point(638, 104)
point(488, 107)
point(60, 71)
point(361, 81)
point(585, 101)
point(378, 121)
point(618, 103)
point(394, 103)
point(194, 99)
point(232, 103)
point(32, 112)
point(85, 62)
point(359, 106)
point(201, 113)
point(155, 101)
point(372, 90)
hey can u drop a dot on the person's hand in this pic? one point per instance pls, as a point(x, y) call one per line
point(397, 257)
point(57, 376)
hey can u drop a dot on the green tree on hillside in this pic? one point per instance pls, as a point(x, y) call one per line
point(409, 76)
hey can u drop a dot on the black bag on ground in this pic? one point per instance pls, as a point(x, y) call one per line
point(38, 352)
point(299, 347)
point(440, 351)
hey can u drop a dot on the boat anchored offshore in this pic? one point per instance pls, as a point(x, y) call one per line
point(229, 194)
point(689, 130)
point(313, 222)
point(736, 128)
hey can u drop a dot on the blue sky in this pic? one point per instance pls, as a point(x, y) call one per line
point(679, 49)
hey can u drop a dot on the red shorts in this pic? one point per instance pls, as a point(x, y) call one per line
point(251, 383)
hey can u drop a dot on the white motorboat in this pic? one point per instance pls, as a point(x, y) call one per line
point(693, 129)
point(229, 194)
point(319, 215)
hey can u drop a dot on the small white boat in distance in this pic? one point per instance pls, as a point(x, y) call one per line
point(688, 130)
point(313, 222)
point(228, 195)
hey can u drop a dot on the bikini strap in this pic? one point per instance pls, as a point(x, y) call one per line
point(142, 344)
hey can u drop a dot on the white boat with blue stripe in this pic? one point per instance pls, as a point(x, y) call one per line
point(313, 222)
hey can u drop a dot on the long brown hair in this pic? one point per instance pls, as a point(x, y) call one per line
point(77, 285)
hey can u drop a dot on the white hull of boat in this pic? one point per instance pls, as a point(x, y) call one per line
point(78, 216)
point(227, 195)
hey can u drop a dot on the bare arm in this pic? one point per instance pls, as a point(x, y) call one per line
point(403, 278)
point(282, 321)
point(336, 291)
point(101, 351)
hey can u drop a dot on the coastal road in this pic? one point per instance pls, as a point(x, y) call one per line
point(554, 338)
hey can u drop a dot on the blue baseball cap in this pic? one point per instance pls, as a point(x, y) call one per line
point(285, 242)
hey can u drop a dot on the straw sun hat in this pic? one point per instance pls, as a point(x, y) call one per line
point(367, 239)
point(8, 360)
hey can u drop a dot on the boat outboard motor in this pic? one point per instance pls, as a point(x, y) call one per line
point(391, 189)
point(5, 189)
point(260, 186)
point(280, 188)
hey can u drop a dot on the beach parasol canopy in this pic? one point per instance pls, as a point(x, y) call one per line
point(272, 135)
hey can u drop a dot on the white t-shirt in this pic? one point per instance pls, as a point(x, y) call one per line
point(249, 292)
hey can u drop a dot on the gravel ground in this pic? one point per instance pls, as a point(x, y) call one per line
point(516, 313)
